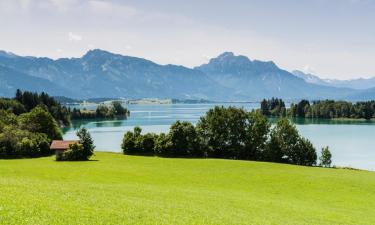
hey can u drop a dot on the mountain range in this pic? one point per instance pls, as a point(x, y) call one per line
point(359, 84)
point(228, 77)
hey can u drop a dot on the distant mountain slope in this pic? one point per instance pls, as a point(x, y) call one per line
point(362, 95)
point(102, 74)
point(257, 79)
point(360, 83)
point(310, 78)
point(11, 80)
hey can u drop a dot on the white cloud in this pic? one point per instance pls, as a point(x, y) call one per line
point(74, 37)
point(64, 5)
point(24, 4)
point(104, 7)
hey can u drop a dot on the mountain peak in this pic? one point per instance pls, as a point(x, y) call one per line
point(7, 54)
point(96, 52)
point(228, 58)
point(226, 54)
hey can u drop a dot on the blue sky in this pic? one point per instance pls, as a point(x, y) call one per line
point(331, 38)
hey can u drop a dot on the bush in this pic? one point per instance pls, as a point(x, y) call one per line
point(134, 143)
point(75, 152)
point(15, 143)
point(148, 143)
point(82, 150)
point(163, 145)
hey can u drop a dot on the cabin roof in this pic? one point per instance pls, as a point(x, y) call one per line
point(61, 145)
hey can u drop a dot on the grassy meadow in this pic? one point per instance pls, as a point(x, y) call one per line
point(118, 189)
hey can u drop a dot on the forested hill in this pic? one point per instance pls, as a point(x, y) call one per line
point(99, 74)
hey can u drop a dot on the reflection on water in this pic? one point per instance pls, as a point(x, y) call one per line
point(351, 142)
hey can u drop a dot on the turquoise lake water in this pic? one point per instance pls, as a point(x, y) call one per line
point(351, 143)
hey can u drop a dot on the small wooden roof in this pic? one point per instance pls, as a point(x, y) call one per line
point(61, 145)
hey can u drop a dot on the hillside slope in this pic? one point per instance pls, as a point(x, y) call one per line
point(118, 189)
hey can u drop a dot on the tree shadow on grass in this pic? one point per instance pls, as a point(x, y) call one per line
point(90, 160)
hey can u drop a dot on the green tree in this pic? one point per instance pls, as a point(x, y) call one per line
point(222, 131)
point(286, 145)
point(304, 153)
point(264, 108)
point(40, 121)
point(256, 134)
point(87, 143)
point(325, 157)
point(233, 133)
point(184, 139)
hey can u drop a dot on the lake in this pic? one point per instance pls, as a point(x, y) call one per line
point(351, 143)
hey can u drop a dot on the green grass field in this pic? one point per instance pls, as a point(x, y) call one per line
point(118, 189)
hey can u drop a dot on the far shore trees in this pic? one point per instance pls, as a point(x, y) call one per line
point(25, 101)
point(325, 109)
point(114, 110)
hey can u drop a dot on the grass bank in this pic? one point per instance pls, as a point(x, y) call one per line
point(118, 189)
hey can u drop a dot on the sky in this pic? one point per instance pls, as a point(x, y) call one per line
point(329, 38)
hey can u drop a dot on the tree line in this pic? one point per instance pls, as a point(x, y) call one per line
point(30, 121)
point(26, 101)
point(28, 134)
point(326, 109)
point(231, 133)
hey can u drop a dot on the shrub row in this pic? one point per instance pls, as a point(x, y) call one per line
point(226, 133)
